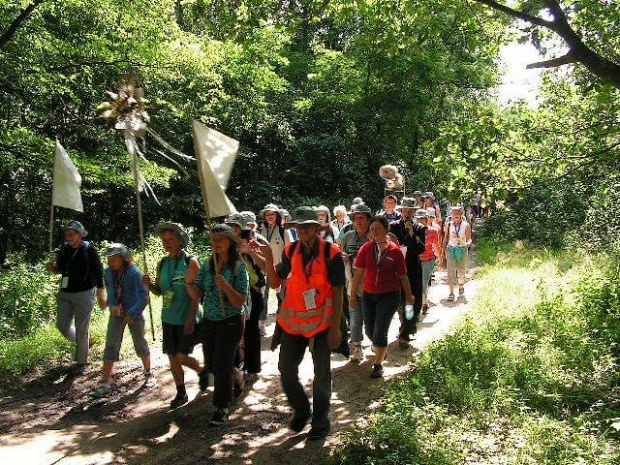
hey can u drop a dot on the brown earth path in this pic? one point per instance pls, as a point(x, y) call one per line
point(53, 420)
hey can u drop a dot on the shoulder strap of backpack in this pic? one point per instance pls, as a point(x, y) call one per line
point(281, 231)
point(291, 247)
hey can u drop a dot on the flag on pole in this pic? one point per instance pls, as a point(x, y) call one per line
point(67, 181)
point(215, 156)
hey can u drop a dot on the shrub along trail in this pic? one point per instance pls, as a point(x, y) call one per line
point(53, 419)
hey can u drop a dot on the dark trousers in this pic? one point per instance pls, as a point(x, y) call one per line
point(251, 335)
point(292, 350)
point(220, 343)
point(378, 311)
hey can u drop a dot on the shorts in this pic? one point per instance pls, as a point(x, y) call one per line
point(175, 342)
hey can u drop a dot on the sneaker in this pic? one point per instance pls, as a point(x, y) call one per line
point(377, 371)
point(203, 379)
point(357, 354)
point(424, 309)
point(451, 298)
point(149, 379)
point(220, 416)
point(461, 290)
point(298, 423)
point(104, 389)
point(237, 390)
point(317, 433)
point(403, 343)
point(180, 399)
point(261, 329)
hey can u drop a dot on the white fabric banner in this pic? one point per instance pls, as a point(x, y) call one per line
point(67, 181)
point(215, 156)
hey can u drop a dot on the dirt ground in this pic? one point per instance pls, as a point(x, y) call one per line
point(54, 420)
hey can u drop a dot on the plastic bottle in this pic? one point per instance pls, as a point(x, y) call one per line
point(409, 312)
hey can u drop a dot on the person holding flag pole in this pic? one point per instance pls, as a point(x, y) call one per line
point(77, 261)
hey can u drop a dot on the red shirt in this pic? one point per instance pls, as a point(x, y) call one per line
point(381, 275)
point(432, 235)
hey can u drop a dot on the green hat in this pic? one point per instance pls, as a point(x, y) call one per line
point(225, 230)
point(303, 215)
point(174, 228)
point(77, 227)
point(238, 219)
point(407, 202)
point(420, 213)
point(117, 248)
point(249, 216)
point(361, 208)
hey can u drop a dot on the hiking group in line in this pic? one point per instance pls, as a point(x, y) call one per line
point(335, 280)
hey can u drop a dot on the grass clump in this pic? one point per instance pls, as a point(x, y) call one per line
point(529, 376)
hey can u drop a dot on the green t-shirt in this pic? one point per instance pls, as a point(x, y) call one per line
point(176, 306)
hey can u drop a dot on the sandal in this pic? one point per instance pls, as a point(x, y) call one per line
point(102, 390)
point(451, 298)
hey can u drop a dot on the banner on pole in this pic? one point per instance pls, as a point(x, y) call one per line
point(67, 181)
point(215, 156)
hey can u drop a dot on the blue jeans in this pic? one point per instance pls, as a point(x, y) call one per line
point(292, 353)
point(428, 266)
point(356, 321)
point(379, 310)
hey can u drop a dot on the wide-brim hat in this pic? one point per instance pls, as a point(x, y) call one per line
point(176, 229)
point(420, 213)
point(270, 207)
point(430, 212)
point(117, 248)
point(77, 227)
point(304, 215)
point(428, 195)
point(238, 219)
point(225, 230)
point(360, 208)
point(417, 193)
point(408, 202)
point(249, 216)
point(456, 208)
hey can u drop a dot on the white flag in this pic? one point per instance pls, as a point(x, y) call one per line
point(67, 181)
point(215, 155)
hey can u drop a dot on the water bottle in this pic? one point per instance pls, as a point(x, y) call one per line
point(409, 312)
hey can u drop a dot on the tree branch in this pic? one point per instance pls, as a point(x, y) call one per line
point(516, 14)
point(17, 22)
point(553, 62)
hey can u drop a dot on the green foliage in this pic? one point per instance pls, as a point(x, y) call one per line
point(529, 377)
point(27, 299)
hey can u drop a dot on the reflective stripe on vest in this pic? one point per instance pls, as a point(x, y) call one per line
point(293, 316)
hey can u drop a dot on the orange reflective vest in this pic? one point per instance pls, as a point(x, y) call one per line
point(293, 316)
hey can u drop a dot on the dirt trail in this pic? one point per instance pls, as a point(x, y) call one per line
point(54, 420)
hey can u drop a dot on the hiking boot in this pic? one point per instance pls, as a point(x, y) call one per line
point(180, 399)
point(261, 329)
point(461, 290)
point(357, 354)
point(424, 309)
point(403, 343)
point(377, 371)
point(203, 379)
point(450, 298)
point(298, 423)
point(149, 379)
point(317, 433)
point(220, 416)
point(104, 389)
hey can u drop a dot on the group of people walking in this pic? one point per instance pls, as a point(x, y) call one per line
point(334, 280)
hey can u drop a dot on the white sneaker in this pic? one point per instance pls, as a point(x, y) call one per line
point(357, 354)
point(149, 379)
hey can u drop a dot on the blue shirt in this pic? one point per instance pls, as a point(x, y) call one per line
point(133, 293)
point(212, 308)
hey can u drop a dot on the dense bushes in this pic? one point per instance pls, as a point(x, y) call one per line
point(529, 377)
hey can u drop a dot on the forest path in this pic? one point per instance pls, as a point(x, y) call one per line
point(53, 420)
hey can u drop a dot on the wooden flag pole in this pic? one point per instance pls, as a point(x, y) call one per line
point(130, 139)
point(52, 223)
point(208, 215)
